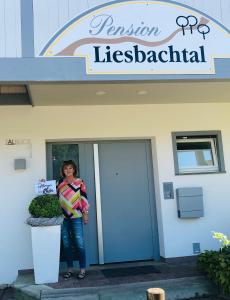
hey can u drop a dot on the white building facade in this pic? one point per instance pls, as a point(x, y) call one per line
point(149, 129)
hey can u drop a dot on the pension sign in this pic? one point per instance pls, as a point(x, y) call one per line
point(142, 37)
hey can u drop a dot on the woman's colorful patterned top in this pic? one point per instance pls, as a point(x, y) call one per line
point(73, 198)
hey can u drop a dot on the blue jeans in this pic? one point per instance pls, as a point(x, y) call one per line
point(75, 228)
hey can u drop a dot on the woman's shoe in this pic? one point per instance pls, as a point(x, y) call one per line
point(67, 275)
point(81, 275)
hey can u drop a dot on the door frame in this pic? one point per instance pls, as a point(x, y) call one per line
point(153, 190)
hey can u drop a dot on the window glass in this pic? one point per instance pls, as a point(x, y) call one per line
point(195, 158)
point(61, 152)
point(196, 155)
point(197, 152)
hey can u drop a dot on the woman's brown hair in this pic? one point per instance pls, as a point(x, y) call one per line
point(69, 163)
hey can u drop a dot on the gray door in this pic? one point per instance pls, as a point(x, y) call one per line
point(127, 197)
point(128, 215)
point(82, 154)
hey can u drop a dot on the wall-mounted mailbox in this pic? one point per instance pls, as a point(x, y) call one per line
point(190, 202)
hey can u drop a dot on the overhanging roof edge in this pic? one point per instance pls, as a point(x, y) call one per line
point(72, 69)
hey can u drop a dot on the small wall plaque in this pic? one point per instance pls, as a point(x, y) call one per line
point(19, 164)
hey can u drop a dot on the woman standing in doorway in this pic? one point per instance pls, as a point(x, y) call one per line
point(73, 200)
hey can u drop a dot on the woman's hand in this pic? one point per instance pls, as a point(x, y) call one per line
point(85, 218)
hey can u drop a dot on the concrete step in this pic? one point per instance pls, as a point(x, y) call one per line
point(179, 288)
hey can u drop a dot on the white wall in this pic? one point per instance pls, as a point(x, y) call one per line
point(46, 123)
point(50, 16)
point(10, 28)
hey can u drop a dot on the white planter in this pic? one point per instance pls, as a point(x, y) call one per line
point(46, 253)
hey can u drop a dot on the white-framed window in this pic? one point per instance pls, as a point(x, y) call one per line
point(197, 155)
point(198, 152)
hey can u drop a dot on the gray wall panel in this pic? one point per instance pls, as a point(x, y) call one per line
point(225, 12)
point(10, 28)
point(2, 28)
point(64, 8)
point(41, 23)
point(77, 7)
point(18, 29)
point(50, 16)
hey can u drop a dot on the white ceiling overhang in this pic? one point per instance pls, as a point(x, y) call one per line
point(56, 94)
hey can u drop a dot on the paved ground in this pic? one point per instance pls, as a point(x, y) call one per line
point(7, 294)
point(210, 298)
point(206, 298)
point(129, 279)
point(97, 276)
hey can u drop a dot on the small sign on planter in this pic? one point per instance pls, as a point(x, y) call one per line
point(46, 187)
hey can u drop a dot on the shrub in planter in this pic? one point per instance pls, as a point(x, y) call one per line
point(46, 218)
point(216, 264)
point(46, 206)
point(45, 210)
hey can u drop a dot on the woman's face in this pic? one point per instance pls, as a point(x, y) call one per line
point(68, 171)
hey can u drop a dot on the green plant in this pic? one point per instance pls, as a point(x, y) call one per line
point(216, 264)
point(223, 239)
point(46, 206)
